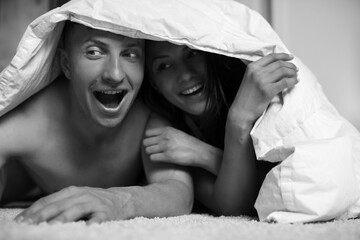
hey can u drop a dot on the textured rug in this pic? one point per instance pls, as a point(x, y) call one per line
point(192, 227)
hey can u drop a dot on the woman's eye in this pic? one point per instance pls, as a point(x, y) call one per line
point(194, 53)
point(163, 66)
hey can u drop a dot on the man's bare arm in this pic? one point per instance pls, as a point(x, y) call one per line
point(172, 182)
point(169, 192)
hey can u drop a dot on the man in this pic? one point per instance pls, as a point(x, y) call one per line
point(80, 138)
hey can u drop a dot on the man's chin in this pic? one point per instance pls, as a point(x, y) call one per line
point(108, 117)
point(108, 122)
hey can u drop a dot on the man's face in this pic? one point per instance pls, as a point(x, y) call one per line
point(105, 71)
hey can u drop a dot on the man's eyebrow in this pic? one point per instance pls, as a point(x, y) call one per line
point(103, 43)
point(133, 44)
point(96, 41)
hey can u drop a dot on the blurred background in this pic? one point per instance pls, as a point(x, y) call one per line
point(324, 34)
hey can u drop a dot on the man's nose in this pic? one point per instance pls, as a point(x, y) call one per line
point(113, 72)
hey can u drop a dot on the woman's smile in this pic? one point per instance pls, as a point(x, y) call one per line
point(193, 90)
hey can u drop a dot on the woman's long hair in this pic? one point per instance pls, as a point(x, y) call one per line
point(224, 78)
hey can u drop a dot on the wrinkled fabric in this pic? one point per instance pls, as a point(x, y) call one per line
point(318, 151)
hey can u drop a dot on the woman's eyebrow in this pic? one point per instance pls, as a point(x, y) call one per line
point(158, 57)
point(185, 48)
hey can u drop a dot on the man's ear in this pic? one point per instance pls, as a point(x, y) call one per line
point(64, 62)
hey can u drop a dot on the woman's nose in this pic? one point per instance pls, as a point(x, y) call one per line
point(186, 72)
point(113, 71)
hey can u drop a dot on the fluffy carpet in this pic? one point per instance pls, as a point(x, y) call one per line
point(194, 226)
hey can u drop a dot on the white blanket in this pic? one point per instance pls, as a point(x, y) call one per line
point(318, 176)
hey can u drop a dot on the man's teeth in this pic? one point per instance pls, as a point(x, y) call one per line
point(192, 90)
point(110, 98)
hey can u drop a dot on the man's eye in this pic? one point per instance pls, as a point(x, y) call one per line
point(132, 54)
point(94, 52)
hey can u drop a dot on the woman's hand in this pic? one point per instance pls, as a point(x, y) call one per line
point(170, 145)
point(263, 80)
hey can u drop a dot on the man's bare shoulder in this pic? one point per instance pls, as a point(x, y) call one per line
point(29, 119)
point(138, 112)
point(50, 96)
point(156, 121)
point(133, 126)
point(139, 106)
point(152, 119)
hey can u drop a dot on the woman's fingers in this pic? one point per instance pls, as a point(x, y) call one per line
point(273, 57)
point(272, 68)
point(154, 132)
point(153, 146)
point(281, 73)
point(152, 140)
point(153, 149)
point(281, 65)
point(149, 141)
point(285, 83)
point(159, 157)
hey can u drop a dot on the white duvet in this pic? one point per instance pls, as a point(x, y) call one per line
point(318, 175)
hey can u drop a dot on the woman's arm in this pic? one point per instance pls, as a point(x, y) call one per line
point(236, 186)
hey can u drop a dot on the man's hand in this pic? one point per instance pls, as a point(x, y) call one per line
point(94, 205)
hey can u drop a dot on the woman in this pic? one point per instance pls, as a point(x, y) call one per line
point(213, 102)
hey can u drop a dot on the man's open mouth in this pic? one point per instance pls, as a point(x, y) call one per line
point(110, 98)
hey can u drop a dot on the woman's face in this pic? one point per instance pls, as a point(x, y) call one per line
point(179, 74)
